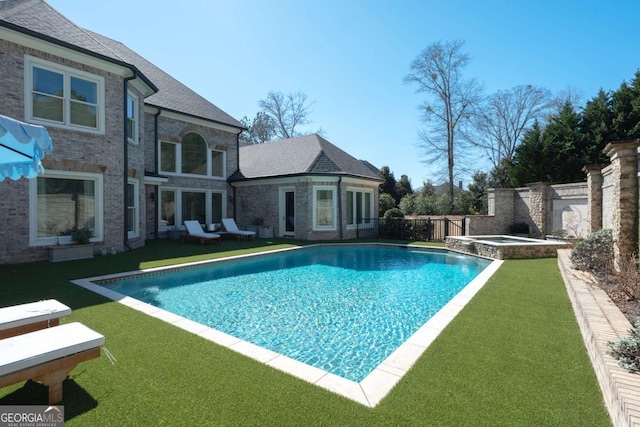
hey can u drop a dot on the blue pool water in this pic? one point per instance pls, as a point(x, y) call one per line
point(342, 309)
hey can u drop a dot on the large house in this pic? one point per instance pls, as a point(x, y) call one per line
point(136, 152)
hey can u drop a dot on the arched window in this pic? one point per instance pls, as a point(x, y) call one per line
point(194, 154)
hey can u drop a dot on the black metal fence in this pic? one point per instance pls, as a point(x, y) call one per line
point(422, 229)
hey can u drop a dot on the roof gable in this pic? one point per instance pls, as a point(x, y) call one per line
point(172, 95)
point(37, 18)
point(309, 154)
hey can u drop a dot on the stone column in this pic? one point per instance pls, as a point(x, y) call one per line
point(624, 167)
point(538, 209)
point(594, 196)
point(501, 206)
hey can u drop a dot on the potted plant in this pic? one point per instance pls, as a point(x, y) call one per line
point(80, 248)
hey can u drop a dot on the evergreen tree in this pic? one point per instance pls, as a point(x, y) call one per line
point(478, 190)
point(403, 187)
point(625, 103)
point(531, 162)
point(389, 184)
point(596, 127)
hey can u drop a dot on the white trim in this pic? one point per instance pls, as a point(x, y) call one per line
point(67, 72)
point(192, 120)
point(178, 161)
point(282, 211)
point(362, 191)
point(177, 214)
point(334, 213)
point(370, 183)
point(136, 216)
point(33, 207)
point(136, 117)
point(155, 180)
point(224, 163)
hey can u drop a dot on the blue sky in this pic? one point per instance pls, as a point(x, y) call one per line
point(350, 56)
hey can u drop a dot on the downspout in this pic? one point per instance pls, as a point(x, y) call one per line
point(340, 207)
point(235, 198)
point(156, 161)
point(125, 216)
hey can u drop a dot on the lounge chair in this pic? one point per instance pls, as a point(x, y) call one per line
point(232, 228)
point(195, 231)
point(23, 318)
point(47, 355)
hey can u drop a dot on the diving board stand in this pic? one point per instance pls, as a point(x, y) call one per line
point(24, 318)
point(48, 355)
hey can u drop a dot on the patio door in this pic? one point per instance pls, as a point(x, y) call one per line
point(287, 224)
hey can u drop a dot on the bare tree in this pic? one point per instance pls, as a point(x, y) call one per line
point(287, 111)
point(505, 117)
point(260, 130)
point(437, 71)
point(557, 103)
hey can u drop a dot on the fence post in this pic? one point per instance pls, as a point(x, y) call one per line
point(446, 227)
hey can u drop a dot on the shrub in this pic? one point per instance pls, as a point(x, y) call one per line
point(393, 213)
point(628, 279)
point(594, 253)
point(627, 349)
point(82, 236)
point(385, 203)
point(408, 204)
point(394, 228)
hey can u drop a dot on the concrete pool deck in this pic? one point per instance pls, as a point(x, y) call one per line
point(368, 392)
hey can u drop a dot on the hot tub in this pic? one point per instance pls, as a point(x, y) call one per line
point(505, 247)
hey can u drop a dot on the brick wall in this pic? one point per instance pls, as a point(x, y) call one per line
point(73, 151)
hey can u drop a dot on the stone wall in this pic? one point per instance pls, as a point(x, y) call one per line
point(622, 198)
point(545, 208)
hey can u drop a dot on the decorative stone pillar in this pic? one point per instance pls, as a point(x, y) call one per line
point(538, 209)
point(501, 207)
point(624, 168)
point(594, 196)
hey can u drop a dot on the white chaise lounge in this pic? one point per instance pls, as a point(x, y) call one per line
point(231, 227)
point(47, 355)
point(195, 231)
point(23, 318)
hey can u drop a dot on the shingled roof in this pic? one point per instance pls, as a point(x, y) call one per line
point(303, 155)
point(38, 19)
point(172, 94)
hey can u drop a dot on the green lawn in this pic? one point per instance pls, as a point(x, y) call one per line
point(514, 356)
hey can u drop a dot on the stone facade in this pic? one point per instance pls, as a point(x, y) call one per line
point(543, 207)
point(624, 198)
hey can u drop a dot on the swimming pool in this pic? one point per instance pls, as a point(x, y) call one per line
point(340, 309)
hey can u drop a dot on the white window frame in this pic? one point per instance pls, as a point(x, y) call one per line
point(98, 179)
point(334, 214)
point(358, 192)
point(136, 207)
point(178, 156)
point(179, 222)
point(67, 73)
point(224, 164)
point(135, 119)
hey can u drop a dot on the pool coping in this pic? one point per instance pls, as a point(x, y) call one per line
point(368, 392)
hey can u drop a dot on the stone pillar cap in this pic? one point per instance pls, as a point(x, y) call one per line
point(621, 145)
